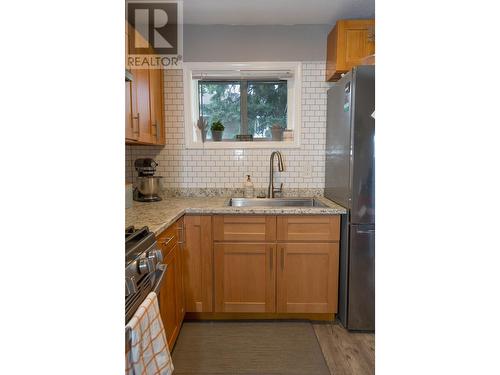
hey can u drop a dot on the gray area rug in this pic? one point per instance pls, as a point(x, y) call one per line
point(248, 348)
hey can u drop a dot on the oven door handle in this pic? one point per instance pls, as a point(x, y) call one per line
point(163, 269)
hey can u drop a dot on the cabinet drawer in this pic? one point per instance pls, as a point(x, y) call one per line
point(244, 228)
point(167, 239)
point(308, 228)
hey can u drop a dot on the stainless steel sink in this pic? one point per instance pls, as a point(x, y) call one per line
point(275, 202)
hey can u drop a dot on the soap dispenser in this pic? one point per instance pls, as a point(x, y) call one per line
point(248, 187)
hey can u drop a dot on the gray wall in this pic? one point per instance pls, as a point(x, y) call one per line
point(255, 43)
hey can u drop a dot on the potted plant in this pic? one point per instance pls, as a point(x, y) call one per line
point(217, 130)
point(277, 132)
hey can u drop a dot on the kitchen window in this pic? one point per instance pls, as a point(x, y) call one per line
point(247, 98)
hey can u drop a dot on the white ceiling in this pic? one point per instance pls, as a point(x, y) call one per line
point(274, 12)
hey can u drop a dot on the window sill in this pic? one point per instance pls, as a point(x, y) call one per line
point(242, 145)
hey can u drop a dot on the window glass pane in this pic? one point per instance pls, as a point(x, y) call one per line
point(220, 101)
point(267, 105)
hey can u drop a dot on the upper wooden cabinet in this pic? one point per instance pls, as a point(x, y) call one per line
point(349, 44)
point(156, 105)
point(140, 87)
point(144, 122)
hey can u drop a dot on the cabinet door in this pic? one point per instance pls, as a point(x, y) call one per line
point(307, 277)
point(130, 126)
point(140, 86)
point(156, 97)
point(198, 264)
point(348, 45)
point(359, 38)
point(245, 277)
point(168, 297)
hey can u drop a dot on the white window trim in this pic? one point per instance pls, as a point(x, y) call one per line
point(294, 97)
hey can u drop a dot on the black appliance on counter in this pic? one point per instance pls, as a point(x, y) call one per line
point(148, 185)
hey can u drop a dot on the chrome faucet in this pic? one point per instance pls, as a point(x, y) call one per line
point(271, 189)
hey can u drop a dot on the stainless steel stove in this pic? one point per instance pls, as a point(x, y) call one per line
point(144, 270)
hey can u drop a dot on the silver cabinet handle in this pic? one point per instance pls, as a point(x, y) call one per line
point(167, 240)
point(180, 228)
point(138, 123)
point(157, 130)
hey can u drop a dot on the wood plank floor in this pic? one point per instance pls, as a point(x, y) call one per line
point(346, 353)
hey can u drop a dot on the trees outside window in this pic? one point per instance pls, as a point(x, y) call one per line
point(244, 106)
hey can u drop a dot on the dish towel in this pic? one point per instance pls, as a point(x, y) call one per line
point(148, 353)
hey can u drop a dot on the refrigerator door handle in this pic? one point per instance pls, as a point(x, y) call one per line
point(365, 231)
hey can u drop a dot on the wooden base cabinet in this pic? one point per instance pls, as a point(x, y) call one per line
point(245, 277)
point(285, 264)
point(198, 263)
point(170, 310)
point(171, 296)
point(307, 275)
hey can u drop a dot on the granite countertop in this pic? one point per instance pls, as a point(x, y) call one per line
point(158, 216)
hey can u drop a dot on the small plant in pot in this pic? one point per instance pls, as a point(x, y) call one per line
point(277, 132)
point(217, 130)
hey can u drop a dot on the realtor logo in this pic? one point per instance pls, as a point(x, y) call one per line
point(155, 36)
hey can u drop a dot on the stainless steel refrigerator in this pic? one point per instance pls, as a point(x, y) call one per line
point(350, 181)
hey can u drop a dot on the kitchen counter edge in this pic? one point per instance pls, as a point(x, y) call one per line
point(158, 216)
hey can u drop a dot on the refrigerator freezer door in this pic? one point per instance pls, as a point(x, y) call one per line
point(338, 142)
point(363, 147)
point(361, 299)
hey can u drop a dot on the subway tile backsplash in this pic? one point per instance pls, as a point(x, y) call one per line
point(226, 168)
